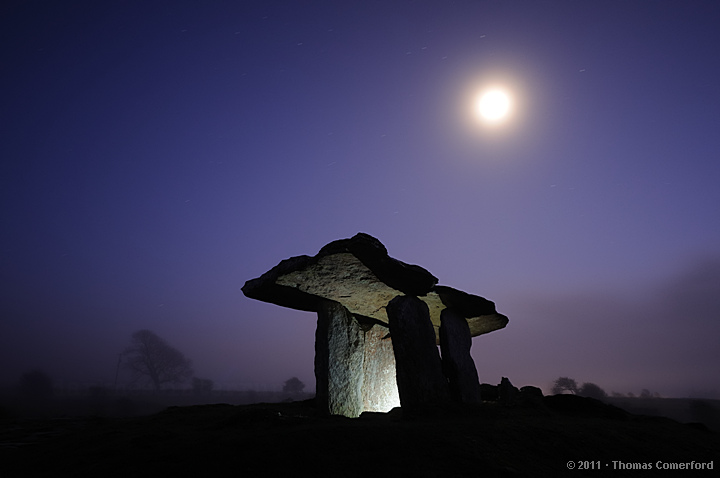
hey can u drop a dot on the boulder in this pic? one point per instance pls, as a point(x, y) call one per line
point(531, 396)
point(489, 393)
point(531, 391)
point(457, 364)
point(420, 379)
point(507, 393)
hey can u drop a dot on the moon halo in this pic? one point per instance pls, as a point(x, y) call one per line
point(493, 105)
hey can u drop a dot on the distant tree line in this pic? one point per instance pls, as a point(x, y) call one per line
point(152, 363)
point(591, 390)
point(644, 393)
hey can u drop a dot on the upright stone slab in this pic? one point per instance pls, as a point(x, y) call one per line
point(380, 392)
point(457, 363)
point(507, 393)
point(420, 378)
point(339, 357)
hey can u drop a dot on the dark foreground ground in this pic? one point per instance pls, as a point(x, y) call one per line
point(286, 439)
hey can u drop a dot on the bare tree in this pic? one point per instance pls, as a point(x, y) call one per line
point(564, 383)
point(293, 385)
point(151, 358)
point(592, 390)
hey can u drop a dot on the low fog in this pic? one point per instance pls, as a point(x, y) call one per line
point(661, 337)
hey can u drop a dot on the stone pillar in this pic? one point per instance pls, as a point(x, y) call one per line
point(507, 393)
point(419, 371)
point(457, 363)
point(380, 392)
point(339, 356)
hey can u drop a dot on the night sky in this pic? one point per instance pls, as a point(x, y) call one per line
point(155, 155)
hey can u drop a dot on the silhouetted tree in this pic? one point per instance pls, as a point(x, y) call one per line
point(591, 390)
point(564, 383)
point(35, 386)
point(151, 358)
point(645, 393)
point(293, 385)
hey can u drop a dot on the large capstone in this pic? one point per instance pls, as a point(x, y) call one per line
point(420, 379)
point(458, 365)
point(359, 274)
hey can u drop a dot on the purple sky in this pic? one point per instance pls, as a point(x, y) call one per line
point(155, 155)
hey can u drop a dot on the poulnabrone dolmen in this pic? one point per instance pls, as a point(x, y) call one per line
point(379, 323)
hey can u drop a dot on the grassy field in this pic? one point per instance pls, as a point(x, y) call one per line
point(542, 438)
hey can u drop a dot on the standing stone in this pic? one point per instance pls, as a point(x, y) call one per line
point(457, 363)
point(380, 392)
point(507, 392)
point(419, 370)
point(339, 344)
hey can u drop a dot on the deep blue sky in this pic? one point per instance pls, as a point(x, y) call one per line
point(155, 155)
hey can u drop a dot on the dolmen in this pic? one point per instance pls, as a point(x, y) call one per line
point(379, 323)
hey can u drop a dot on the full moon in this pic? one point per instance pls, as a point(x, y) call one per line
point(494, 105)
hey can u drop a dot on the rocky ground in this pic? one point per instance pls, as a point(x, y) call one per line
point(494, 440)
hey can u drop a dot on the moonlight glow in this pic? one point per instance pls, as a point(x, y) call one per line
point(494, 105)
